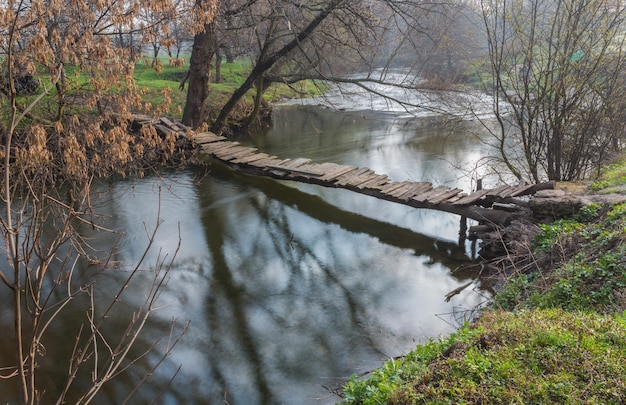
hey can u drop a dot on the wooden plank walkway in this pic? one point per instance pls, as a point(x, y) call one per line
point(477, 205)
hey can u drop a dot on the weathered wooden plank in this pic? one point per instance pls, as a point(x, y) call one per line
point(357, 178)
point(324, 167)
point(378, 185)
point(169, 123)
point(456, 198)
point(313, 167)
point(214, 147)
point(445, 196)
point(242, 152)
point(184, 127)
point(298, 162)
point(406, 186)
point(472, 198)
point(365, 178)
point(271, 160)
point(327, 166)
point(375, 182)
point(496, 191)
point(507, 192)
point(337, 171)
point(317, 167)
point(431, 194)
point(163, 129)
point(345, 178)
point(143, 119)
point(207, 137)
point(251, 158)
point(224, 151)
point(521, 190)
point(294, 170)
point(392, 186)
point(418, 189)
point(284, 162)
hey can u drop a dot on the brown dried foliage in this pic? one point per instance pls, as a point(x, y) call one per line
point(75, 125)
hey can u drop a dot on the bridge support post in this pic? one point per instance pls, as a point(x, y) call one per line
point(463, 230)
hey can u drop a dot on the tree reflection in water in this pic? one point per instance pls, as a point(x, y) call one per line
point(285, 293)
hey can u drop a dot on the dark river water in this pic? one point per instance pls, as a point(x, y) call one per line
point(289, 289)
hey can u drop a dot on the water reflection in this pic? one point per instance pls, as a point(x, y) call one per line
point(291, 302)
point(288, 289)
point(435, 149)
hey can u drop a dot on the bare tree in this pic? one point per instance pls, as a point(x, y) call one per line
point(156, 30)
point(331, 40)
point(177, 36)
point(445, 43)
point(202, 55)
point(55, 142)
point(558, 67)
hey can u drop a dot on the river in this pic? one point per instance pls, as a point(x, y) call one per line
point(288, 288)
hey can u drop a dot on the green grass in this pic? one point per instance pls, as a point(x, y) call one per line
point(528, 357)
point(590, 269)
point(155, 81)
point(554, 335)
point(613, 179)
point(581, 265)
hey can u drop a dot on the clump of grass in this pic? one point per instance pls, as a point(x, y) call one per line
point(535, 356)
point(613, 179)
point(556, 233)
point(588, 270)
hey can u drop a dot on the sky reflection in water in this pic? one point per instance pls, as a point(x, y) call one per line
point(282, 303)
point(290, 288)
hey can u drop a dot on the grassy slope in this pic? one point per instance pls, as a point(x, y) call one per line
point(167, 78)
point(554, 335)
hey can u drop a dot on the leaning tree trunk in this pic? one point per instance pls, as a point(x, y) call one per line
point(199, 76)
point(267, 61)
point(258, 99)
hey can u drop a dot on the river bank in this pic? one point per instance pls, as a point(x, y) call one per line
point(554, 333)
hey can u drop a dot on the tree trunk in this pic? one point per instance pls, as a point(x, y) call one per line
point(155, 51)
point(199, 75)
point(218, 65)
point(258, 98)
point(266, 62)
point(228, 52)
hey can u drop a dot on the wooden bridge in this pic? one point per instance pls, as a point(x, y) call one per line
point(496, 206)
